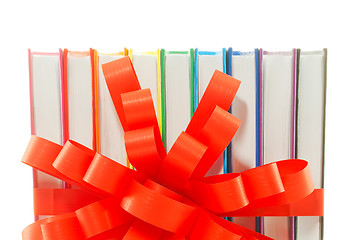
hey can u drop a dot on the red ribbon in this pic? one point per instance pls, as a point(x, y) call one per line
point(167, 197)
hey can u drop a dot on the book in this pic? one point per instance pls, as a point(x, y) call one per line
point(177, 82)
point(45, 71)
point(310, 135)
point(109, 132)
point(278, 126)
point(206, 62)
point(147, 68)
point(244, 153)
point(79, 97)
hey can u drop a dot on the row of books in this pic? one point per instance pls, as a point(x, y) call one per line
point(281, 103)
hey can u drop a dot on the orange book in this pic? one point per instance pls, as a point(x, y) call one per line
point(78, 101)
point(109, 132)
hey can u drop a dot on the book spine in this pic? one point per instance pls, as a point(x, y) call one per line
point(64, 88)
point(31, 93)
point(196, 79)
point(229, 148)
point(93, 87)
point(32, 124)
point(258, 220)
point(162, 94)
point(95, 70)
point(293, 127)
point(191, 79)
point(225, 153)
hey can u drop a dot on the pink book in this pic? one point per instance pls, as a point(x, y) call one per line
point(46, 76)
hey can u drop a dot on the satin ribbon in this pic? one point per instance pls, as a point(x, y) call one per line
point(168, 195)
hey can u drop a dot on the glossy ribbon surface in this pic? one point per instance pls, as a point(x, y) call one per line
point(168, 195)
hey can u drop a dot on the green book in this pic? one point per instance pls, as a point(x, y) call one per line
point(177, 79)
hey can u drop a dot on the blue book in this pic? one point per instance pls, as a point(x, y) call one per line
point(243, 152)
point(206, 62)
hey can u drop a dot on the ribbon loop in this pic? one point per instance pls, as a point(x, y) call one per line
point(297, 182)
point(262, 182)
point(120, 78)
point(40, 154)
point(295, 172)
point(139, 109)
point(157, 209)
point(142, 230)
point(63, 228)
point(109, 176)
point(181, 161)
point(206, 229)
point(216, 134)
point(220, 91)
point(143, 152)
point(105, 214)
point(74, 160)
point(221, 193)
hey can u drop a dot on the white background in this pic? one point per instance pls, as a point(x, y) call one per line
point(148, 25)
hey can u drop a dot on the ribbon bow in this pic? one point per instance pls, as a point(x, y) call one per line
point(167, 196)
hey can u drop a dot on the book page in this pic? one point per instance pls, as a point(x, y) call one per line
point(244, 107)
point(112, 143)
point(310, 130)
point(177, 80)
point(80, 105)
point(207, 64)
point(278, 78)
point(46, 98)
